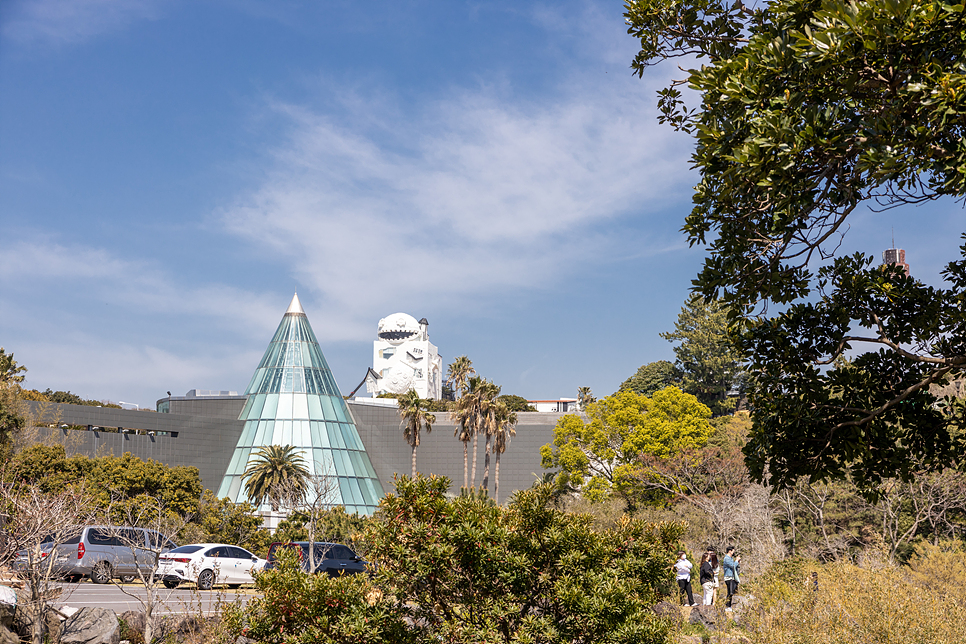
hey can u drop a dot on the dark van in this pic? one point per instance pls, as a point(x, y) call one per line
point(331, 558)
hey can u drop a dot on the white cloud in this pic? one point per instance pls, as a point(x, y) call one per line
point(139, 288)
point(61, 22)
point(476, 194)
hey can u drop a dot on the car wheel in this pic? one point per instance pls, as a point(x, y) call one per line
point(101, 573)
point(127, 578)
point(171, 584)
point(206, 579)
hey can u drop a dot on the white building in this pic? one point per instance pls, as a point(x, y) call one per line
point(561, 405)
point(404, 359)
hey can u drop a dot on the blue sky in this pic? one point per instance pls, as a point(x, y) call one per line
point(171, 171)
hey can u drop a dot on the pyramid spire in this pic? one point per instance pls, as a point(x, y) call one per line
point(295, 308)
point(294, 400)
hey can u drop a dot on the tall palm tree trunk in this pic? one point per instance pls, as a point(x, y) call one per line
point(486, 464)
point(414, 461)
point(466, 465)
point(496, 478)
point(476, 439)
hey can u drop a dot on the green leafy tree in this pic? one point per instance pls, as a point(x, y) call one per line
point(467, 570)
point(707, 358)
point(224, 521)
point(515, 403)
point(10, 371)
point(652, 377)
point(806, 112)
point(415, 416)
point(12, 411)
point(276, 470)
point(332, 524)
point(602, 456)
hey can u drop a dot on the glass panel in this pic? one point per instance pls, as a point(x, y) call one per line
point(367, 495)
point(352, 439)
point(335, 435)
point(306, 354)
point(304, 435)
point(371, 471)
point(300, 406)
point(323, 459)
point(375, 489)
point(258, 403)
point(340, 465)
point(287, 433)
point(298, 384)
point(358, 469)
point(233, 464)
point(234, 488)
point(315, 407)
point(357, 497)
point(339, 404)
point(248, 433)
point(319, 437)
point(271, 404)
point(327, 410)
point(295, 354)
point(247, 407)
point(277, 434)
point(284, 406)
point(286, 379)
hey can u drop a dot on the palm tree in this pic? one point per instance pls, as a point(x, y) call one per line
point(415, 415)
point(506, 421)
point(584, 397)
point(486, 424)
point(277, 471)
point(464, 433)
point(472, 411)
point(459, 373)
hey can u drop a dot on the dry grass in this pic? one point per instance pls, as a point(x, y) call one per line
point(882, 604)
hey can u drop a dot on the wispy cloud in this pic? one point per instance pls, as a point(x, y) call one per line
point(139, 287)
point(476, 193)
point(60, 22)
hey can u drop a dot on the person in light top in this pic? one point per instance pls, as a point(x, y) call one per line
point(682, 569)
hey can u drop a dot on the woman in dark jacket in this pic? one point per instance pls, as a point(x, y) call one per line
point(707, 578)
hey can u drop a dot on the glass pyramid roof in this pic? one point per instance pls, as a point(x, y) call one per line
point(294, 400)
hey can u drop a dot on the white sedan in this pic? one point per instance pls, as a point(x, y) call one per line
point(207, 564)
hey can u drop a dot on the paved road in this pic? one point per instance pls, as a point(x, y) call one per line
point(182, 601)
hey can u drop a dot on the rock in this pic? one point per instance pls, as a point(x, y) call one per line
point(91, 626)
point(688, 639)
point(708, 616)
point(133, 620)
point(669, 611)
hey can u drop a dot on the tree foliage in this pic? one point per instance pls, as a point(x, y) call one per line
point(652, 377)
point(707, 358)
point(275, 466)
point(602, 455)
point(807, 111)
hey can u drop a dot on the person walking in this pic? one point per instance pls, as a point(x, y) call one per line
point(682, 568)
point(707, 578)
point(731, 565)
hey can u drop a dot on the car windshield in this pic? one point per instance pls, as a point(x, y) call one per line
point(185, 550)
point(66, 541)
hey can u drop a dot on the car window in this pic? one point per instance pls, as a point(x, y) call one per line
point(215, 552)
point(342, 552)
point(238, 553)
point(102, 537)
point(186, 550)
point(132, 537)
point(275, 547)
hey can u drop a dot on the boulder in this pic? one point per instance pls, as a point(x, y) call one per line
point(91, 626)
point(711, 617)
point(668, 610)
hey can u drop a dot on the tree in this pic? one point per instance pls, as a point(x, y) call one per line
point(708, 360)
point(267, 476)
point(515, 403)
point(584, 397)
point(652, 377)
point(415, 415)
point(35, 523)
point(506, 428)
point(807, 111)
point(12, 409)
point(473, 412)
point(603, 456)
point(459, 373)
point(467, 570)
point(309, 499)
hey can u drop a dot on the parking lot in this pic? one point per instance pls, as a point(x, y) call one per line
point(180, 601)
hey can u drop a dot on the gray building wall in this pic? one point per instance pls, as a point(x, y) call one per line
point(203, 433)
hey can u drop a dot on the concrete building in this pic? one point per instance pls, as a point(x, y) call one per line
point(403, 358)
